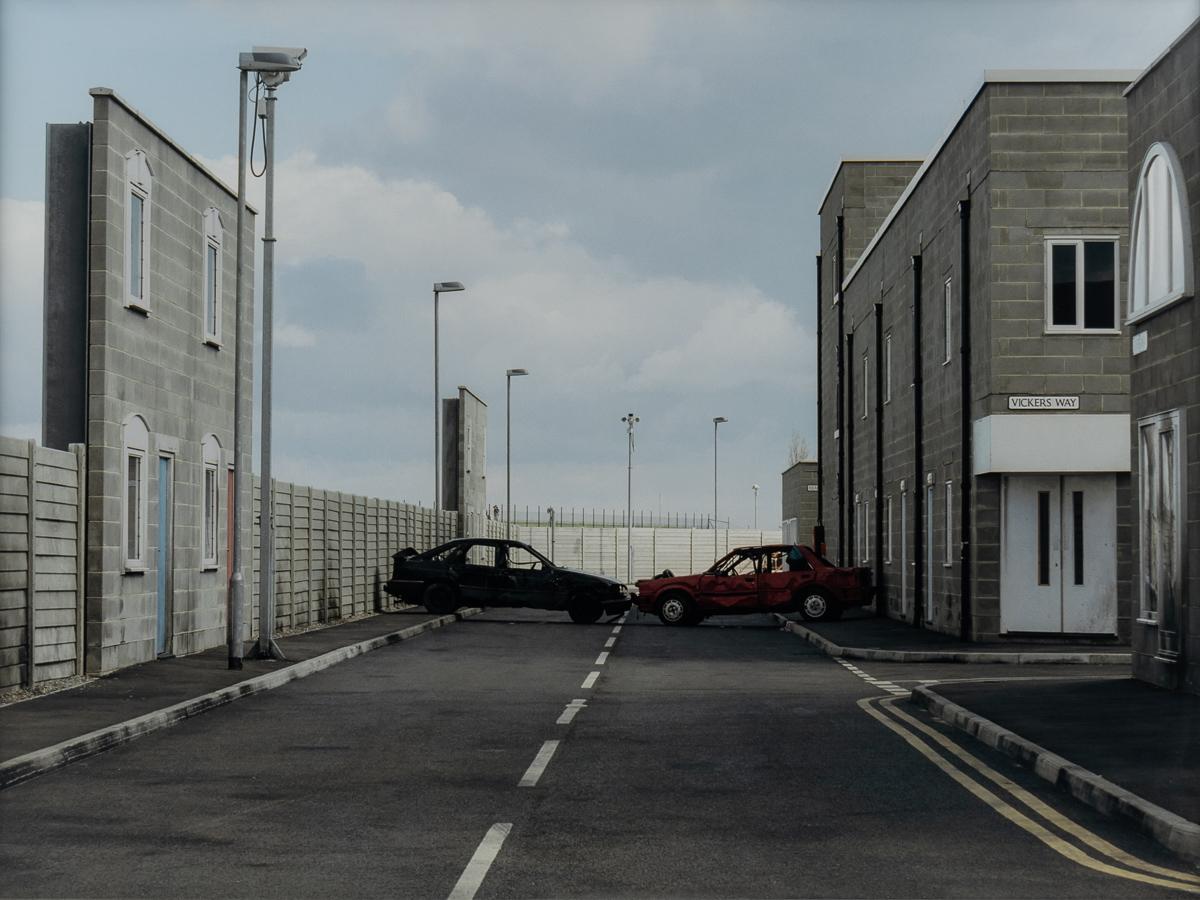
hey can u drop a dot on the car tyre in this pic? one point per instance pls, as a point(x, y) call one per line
point(585, 610)
point(815, 606)
point(678, 609)
point(440, 599)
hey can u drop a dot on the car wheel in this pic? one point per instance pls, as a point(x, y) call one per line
point(585, 610)
point(677, 609)
point(815, 606)
point(440, 599)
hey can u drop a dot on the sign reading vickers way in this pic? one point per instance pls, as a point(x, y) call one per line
point(1043, 403)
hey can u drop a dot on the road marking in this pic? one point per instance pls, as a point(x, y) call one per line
point(485, 854)
point(590, 681)
point(1047, 837)
point(600, 660)
point(538, 766)
point(616, 629)
point(609, 642)
point(571, 712)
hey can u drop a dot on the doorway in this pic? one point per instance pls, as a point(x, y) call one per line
point(165, 562)
point(1058, 549)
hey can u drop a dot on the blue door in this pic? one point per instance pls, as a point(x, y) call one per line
point(164, 553)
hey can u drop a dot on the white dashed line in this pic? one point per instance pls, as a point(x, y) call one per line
point(600, 660)
point(485, 854)
point(882, 684)
point(590, 681)
point(609, 642)
point(616, 629)
point(571, 712)
point(538, 766)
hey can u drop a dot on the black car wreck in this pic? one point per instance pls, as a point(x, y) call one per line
point(488, 572)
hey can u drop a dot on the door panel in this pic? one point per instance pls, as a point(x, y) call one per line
point(929, 553)
point(1089, 554)
point(905, 600)
point(164, 562)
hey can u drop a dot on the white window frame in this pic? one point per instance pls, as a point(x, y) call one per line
point(1078, 241)
point(887, 368)
point(866, 388)
point(947, 317)
point(1164, 218)
point(1150, 489)
point(135, 444)
point(138, 183)
point(210, 503)
point(213, 278)
point(949, 560)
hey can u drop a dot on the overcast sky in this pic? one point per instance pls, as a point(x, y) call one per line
point(628, 190)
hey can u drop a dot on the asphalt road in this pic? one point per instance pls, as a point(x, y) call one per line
point(726, 760)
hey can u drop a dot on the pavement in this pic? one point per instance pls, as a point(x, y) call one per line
point(52, 729)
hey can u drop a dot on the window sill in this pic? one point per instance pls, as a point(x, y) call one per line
point(1149, 622)
point(1150, 312)
point(136, 307)
point(137, 569)
point(213, 342)
point(209, 567)
point(1082, 332)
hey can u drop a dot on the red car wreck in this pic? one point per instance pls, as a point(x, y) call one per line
point(757, 580)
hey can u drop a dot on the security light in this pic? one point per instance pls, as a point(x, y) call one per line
point(512, 372)
point(443, 287)
point(720, 420)
point(272, 59)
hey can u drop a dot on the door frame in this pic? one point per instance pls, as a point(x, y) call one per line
point(164, 556)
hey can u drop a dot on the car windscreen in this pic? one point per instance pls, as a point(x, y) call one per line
point(524, 558)
point(444, 553)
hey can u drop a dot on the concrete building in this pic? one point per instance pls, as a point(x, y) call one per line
point(1164, 320)
point(139, 365)
point(464, 459)
point(800, 501)
point(981, 320)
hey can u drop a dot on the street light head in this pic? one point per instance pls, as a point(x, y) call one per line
point(511, 372)
point(754, 487)
point(272, 59)
point(445, 287)
point(719, 420)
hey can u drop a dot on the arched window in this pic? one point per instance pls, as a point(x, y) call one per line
point(211, 454)
point(1160, 267)
point(135, 441)
point(138, 179)
point(212, 276)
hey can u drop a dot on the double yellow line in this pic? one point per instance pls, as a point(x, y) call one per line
point(1112, 860)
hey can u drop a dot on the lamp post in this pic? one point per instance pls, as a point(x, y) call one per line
point(754, 487)
point(272, 67)
point(441, 287)
point(508, 375)
point(630, 420)
point(717, 420)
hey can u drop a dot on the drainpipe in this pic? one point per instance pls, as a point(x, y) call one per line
point(918, 453)
point(841, 392)
point(881, 578)
point(818, 536)
point(964, 216)
point(848, 441)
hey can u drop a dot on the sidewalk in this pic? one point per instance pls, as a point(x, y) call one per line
point(888, 640)
point(1122, 746)
point(55, 728)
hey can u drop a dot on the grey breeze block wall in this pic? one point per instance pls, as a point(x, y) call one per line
point(799, 502)
point(41, 563)
point(157, 365)
point(1164, 105)
point(1036, 159)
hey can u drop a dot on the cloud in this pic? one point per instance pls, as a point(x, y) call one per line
point(22, 224)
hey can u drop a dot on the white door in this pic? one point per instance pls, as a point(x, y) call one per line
point(929, 553)
point(905, 610)
point(1058, 570)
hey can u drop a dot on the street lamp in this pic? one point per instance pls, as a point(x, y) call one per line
point(441, 287)
point(718, 420)
point(272, 67)
point(754, 487)
point(630, 420)
point(508, 375)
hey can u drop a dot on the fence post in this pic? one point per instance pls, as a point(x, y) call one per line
point(80, 451)
point(30, 662)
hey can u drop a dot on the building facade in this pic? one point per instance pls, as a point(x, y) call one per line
point(464, 459)
point(974, 407)
point(1164, 184)
point(800, 501)
point(139, 365)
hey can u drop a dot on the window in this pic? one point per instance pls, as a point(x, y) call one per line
point(135, 441)
point(482, 555)
point(211, 455)
point(1081, 284)
point(887, 368)
point(888, 514)
point(864, 537)
point(212, 276)
point(137, 221)
point(1159, 532)
point(947, 315)
point(949, 561)
point(1160, 264)
point(866, 389)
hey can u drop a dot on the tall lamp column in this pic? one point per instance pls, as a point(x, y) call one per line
point(508, 376)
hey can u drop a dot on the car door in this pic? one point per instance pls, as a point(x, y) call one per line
point(478, 576)
point(528, 581)
point(779, 586)
point(733, 586)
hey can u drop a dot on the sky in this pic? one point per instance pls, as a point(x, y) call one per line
point(629, 191)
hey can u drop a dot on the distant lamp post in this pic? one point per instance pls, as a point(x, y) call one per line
point(718, 420)
point(754, 487)
point(442, 287)
point(272, 67)
point(630, 420)
point(509, 375)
